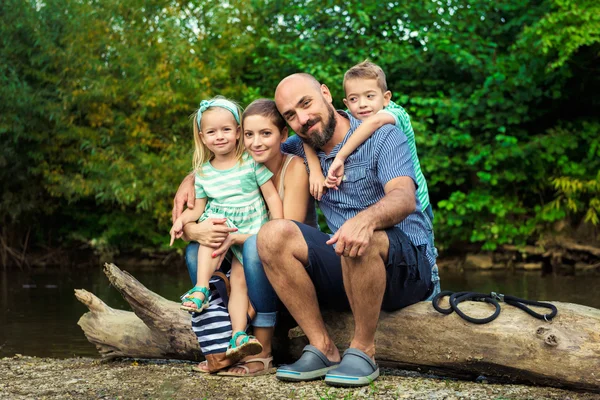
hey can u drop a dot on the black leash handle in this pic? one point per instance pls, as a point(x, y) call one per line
point(520, 303)
point(494, 299)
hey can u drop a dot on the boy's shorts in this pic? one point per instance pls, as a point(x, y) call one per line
point(408, 273)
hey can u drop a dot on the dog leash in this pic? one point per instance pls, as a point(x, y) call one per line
point(494, 299)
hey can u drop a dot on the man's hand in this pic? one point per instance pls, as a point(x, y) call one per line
point(210, 232)
point(185, 194)
point(353, 237)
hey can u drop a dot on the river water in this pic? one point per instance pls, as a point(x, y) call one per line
point(39, 312)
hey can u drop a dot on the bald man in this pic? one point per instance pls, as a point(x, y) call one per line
point(378, 256)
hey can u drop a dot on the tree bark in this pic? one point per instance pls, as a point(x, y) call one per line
point(156, 328)
point(515, 347)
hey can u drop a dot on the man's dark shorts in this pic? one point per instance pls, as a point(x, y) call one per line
point(408, 273)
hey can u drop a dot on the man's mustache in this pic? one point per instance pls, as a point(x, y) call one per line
point(304, 129)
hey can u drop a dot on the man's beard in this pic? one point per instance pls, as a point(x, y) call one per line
point(317, 139)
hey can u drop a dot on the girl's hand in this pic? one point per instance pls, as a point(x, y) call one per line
point(335, 174)
point(316, 184)
point(176, 231)
point(227, 243)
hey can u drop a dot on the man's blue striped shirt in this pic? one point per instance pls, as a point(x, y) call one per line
point(381, 158)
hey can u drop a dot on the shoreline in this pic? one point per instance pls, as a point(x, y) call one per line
point(25, 377)
point(502, 260)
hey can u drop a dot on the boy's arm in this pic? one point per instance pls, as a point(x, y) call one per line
point(316, 178)
point(360, 135)
point(272, 199)
point(363, 132)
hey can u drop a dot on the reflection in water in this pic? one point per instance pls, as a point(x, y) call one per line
point(39, 312)
point(529, 285)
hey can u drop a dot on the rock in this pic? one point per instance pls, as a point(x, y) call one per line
point(479, 261)
point(529, 266)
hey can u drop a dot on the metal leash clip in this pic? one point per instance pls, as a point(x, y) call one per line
point(497, 296)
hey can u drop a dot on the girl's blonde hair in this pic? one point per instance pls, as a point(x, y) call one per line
point(202, 154)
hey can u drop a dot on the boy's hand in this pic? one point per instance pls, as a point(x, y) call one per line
point(176, 231)
point(335, 174)
point(316, 184)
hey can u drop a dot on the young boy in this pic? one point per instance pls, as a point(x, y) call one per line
point(368, 100)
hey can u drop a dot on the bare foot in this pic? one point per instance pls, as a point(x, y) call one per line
point(254, 366)
point(190, 304)
point(330, 350)
point(202, 367)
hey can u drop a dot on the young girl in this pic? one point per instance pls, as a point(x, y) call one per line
point(227, 182)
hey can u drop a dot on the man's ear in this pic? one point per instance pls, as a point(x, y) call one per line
point(284, 134)
point(326, 93)
point(387, 96)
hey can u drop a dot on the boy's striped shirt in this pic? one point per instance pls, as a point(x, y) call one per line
point(403, 122)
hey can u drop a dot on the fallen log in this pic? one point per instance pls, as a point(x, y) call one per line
point(156, 328)
point(515, 347)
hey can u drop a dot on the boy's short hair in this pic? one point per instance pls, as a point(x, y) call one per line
point(367, 70)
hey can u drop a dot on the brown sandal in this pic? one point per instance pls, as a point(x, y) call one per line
point(247, 374)
point(196, 368)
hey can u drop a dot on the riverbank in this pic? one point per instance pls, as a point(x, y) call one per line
point(561, 254)
point(85, 378)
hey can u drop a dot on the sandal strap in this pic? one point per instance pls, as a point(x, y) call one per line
point(265, 361)
point(197, 289)
point(196, 301)
point(233, 342)
point(202, 289)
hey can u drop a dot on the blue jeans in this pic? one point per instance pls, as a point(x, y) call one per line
point(261, 293)
point(191, 260)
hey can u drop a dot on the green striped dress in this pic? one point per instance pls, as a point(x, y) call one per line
point(235, 194)
point(403, 122)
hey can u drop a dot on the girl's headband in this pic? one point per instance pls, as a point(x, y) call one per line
point(226, 104)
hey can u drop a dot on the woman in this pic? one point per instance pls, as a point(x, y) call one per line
point(264, 129)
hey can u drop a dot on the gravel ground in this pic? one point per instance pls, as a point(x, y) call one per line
point(23, 377)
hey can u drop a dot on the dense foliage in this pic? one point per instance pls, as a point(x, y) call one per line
point(95, 98)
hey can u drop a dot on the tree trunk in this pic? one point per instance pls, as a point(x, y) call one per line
point(156, 328)
point(514, 347)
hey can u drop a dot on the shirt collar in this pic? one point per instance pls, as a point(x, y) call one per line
point(354, 123)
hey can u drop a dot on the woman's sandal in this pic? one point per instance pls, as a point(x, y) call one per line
point(198, 368)
point(247, 374)
point(200, 304)
point(248, 346)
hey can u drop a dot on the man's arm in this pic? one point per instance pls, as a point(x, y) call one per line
point(185, 194)
point(397, 204)
point(354, 236)
point(294, 145)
